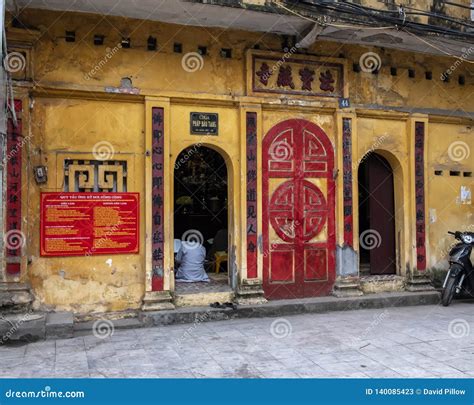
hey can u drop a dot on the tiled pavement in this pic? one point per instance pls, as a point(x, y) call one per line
point(424, 341)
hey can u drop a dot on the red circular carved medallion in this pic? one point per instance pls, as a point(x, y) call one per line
point(290, 225)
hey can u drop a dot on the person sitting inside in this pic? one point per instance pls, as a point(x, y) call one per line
point(190, 258)
point(219, 243)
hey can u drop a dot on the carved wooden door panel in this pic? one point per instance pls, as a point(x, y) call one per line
point(298, 211)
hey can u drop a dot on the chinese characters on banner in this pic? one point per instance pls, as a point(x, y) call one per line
point(295, 76)
point(87, 224)
point(347, 180)
point(251, 194)
point(157, 198)
point(14, 240)
point(420, 195)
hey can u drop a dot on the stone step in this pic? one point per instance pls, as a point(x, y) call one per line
point(15, 297)
point(290, 307)
point(32, 326)
point(24, 327)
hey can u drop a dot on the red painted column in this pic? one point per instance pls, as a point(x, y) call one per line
point(347, 181)
point(251, 148)
point(420, 195)
point(14, 238)
point(157, 199)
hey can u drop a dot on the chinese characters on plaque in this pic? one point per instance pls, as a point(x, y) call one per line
point(420, 195)
point(251, 146)
point(296, 76)
point(157, 160)
point(347, 180)
point(14, 239)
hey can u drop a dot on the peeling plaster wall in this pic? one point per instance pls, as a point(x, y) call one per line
point(83, 65)
point(67, 126)
point(62, 128)
point(450, 148)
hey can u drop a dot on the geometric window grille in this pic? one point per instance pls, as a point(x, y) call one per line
point(95, 175)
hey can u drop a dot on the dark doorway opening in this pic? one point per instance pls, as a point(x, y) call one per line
point(376, 216)
point(200, 212)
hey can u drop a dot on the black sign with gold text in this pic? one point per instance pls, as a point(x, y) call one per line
point(204, 123)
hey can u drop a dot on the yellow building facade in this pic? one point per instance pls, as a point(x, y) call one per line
point(80, 100)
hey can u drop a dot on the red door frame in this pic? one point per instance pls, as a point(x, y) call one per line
point(321, 167)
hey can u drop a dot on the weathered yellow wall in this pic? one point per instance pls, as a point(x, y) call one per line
point(61, 64)
point(66, 119)
point(62, 128)
point(450, 148)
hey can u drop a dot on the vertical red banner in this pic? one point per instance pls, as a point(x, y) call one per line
point(347, 181)
point(14, 239)
point(251, 151)
point(157, 198)
point(420, 195)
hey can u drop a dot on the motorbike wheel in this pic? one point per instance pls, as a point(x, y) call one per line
point(448, 292)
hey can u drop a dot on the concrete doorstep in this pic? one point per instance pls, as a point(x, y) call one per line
point(30, 326)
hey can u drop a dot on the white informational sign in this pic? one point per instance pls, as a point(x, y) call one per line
point(466, 195)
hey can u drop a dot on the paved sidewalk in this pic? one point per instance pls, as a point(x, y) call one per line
point(424, 341)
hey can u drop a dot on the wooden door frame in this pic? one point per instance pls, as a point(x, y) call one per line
point(400, 190)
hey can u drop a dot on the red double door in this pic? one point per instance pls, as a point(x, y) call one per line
point(298, 211)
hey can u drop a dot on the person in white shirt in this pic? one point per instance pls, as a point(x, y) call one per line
point(190, 258)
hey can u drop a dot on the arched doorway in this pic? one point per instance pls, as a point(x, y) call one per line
point(376, 216)
point(298, 211)
point(201, 212)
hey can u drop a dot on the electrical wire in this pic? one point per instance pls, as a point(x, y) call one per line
point(390, 27)
point(459, 5)
point(378, 17)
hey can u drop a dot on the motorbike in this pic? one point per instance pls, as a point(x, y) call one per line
point(460, 275)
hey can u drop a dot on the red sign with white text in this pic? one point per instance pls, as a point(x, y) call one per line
point(86, 224)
